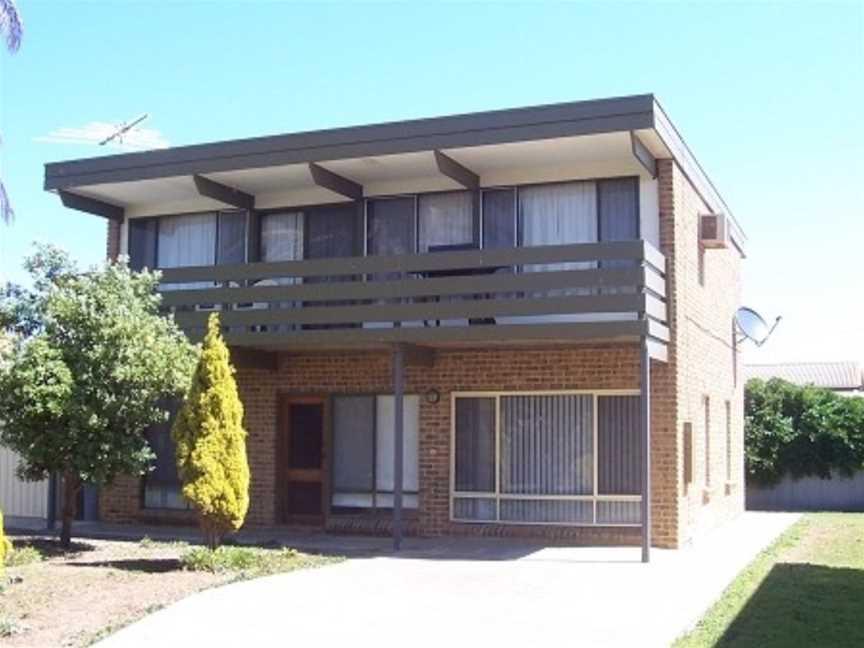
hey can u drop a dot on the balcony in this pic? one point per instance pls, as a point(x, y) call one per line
point(588, 292)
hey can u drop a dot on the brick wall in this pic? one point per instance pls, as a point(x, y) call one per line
point(704, 291)
point(585, 367)
point(112, 248)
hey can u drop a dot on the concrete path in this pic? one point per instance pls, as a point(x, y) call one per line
point(489, 594)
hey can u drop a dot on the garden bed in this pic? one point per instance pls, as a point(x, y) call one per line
point(59, 598)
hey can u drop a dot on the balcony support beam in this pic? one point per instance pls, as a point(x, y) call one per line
point(223, 193)
point(643, 155)
point(334, 182)
point(458, 173)
point(645, 421)
point(398, 362)
point(92, 206)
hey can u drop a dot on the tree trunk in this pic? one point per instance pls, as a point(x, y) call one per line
point(71, 486)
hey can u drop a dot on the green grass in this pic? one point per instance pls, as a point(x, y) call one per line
point(23, 555)
point(248, 562)
point(805, 590)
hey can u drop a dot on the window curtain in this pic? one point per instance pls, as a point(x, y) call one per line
point(282, 236)
point(187, 240)
point(281, 240)
point(446, 219)
point(556, 215)
point(619, 446)
point(363, 451)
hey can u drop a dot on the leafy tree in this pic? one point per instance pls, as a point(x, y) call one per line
point(86, 377)
point(211, 442)
point(11, 29)
point(801, 431)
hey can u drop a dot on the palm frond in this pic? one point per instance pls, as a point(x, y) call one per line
point(11, 26)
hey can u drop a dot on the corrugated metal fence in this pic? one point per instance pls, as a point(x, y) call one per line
point(809, 494)
point(20, 499)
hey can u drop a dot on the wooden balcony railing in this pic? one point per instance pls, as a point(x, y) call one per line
point(611, 290)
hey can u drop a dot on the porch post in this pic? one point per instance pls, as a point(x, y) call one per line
point(398, 442)
point(645, 420)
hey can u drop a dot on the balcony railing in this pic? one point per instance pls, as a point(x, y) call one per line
point(609, 291)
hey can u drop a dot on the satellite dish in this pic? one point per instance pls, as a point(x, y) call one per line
point(752, 326)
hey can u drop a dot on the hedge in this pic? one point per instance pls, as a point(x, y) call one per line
point(800, 431)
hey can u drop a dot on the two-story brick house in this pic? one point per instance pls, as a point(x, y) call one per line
point(458, 325)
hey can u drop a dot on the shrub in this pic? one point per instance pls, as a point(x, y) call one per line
point(23, 556)
point(246, 559)
point(800, 431)
point(211, 442)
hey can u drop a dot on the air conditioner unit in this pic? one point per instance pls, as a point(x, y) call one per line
point(714, 230)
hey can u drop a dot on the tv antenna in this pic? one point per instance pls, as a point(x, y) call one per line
point(752, 326)
point(122, 129)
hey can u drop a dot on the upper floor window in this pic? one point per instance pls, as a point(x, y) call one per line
point(446, 219)
point(187, 240)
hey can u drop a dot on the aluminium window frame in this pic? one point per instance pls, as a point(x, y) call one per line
point(374, 509)
point(595, 498)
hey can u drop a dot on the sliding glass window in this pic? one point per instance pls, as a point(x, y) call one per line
point(545, 458)
point(363, 451)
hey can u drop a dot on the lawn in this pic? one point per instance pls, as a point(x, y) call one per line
point(805, 590)
point(49, 597)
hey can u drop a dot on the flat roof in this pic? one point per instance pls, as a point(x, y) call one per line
point(637, 113)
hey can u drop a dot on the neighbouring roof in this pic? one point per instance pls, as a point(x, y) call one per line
point(830, 375)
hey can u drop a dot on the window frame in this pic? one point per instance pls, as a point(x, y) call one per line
point(331, 480)
point(595, 497)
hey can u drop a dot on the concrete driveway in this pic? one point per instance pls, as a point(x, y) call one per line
point(470, 593)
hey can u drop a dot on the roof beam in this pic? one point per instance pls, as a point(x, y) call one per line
point(334, 182)
point(92, 206)
point(643, 155)
point(223, 193)
point(452, 169)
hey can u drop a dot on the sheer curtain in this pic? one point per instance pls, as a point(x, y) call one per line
point(282, 240)
point(556, 215)
point(446, 219)
point(188, 240)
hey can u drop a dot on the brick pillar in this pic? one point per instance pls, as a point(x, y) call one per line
point(112, 250)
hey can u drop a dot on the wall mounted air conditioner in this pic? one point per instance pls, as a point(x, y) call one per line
point(714, 230)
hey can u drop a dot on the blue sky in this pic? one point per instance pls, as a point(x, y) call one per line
point(769, 96)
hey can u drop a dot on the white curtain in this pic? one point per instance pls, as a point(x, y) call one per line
point(446, 219)
point(282, 237)
point(558, 214)
point(188, 240)
point(282, 240)
point(385, 450)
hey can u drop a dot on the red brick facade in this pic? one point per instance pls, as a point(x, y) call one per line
point(700, 364)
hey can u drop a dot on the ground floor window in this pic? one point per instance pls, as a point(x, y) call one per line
point(162, 487)
point(546, 458)
point(363, 452)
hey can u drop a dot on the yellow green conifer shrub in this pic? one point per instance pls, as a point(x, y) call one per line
point(5, 544)
point(211, 442)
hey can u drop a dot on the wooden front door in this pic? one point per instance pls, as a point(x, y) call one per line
point(301, 460)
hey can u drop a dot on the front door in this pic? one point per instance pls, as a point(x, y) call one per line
point(301, 460)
